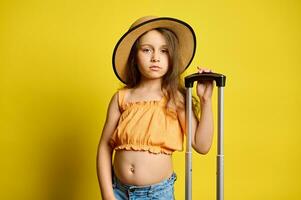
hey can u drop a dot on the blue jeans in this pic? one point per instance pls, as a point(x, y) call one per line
point(160, 191)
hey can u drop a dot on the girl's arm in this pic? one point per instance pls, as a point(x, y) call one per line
point(104, 154)
point(202, 139)
point(202, 131)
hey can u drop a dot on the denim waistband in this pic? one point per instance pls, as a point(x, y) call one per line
point(126, 187)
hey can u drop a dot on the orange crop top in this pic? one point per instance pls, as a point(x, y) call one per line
point(147, 126)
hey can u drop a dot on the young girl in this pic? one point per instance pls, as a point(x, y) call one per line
point(145, 121)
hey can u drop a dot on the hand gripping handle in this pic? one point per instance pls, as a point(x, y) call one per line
point(220, 79)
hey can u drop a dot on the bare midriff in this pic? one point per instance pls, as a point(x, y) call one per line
point(142, 168)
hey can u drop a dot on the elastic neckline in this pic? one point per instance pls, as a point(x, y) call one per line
point(146, 101)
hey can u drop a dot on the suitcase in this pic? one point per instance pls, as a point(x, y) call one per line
point(220, 83)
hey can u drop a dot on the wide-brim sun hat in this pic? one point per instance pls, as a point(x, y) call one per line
point(182, 30)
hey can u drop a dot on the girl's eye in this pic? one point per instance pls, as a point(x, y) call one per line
point(164, 50)
point(146, 50)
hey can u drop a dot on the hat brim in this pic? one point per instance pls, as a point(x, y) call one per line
point(183, 31)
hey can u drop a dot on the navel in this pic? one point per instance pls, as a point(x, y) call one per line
point(132, 168)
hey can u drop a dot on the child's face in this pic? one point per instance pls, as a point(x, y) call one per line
point(152, 55)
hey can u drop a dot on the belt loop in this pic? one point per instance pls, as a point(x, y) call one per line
point(150, 191)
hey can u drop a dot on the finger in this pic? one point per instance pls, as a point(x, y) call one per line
point(209, 83)
point(200, 70)
point(207, 70)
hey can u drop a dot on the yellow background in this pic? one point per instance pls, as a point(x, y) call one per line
point(56, 79)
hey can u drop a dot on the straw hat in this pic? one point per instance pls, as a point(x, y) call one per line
point(183, 31)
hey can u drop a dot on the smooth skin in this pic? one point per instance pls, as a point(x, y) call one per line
point(142, 167)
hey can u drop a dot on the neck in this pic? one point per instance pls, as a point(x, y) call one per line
point(151, 84)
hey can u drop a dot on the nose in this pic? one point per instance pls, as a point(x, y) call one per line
point(155, 57)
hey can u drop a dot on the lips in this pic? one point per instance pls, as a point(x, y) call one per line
point(155, 68)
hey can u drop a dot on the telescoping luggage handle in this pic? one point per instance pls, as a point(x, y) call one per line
point(205, 76)
point(220, 83)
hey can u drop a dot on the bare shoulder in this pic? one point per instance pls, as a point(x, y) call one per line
point(113, 115)
point(113, 111)
point(113, 105)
